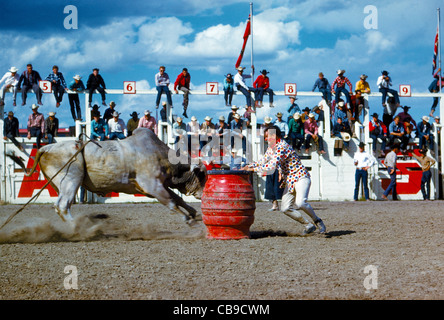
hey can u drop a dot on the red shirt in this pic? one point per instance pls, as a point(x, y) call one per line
point(182, 81)
point(262, 82)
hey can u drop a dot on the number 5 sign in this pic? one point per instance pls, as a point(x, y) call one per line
point(213, 88)
point(405, 90)
point(129, 87)
point(45, 85)
point(290, 89)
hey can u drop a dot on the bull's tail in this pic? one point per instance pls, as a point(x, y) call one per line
point(39, 154)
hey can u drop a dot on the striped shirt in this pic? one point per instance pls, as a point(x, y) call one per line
point(36, 120)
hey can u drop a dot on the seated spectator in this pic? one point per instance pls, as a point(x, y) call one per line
point(132, 123)
point(239, 82)
point(117, 127)
point(356, 106)
point(267, 123)
point(36, 125)
point(58, 84)
point(96, 82)
point(236, 161)
point(389, 111)
point(341, 112)
point(262, 86)
point(378, 132)
point(99, 128)
point(162, 81)
point(207, 130)
point(237, 127)
point(180, 131)
point(183, 84)
point(147, 121)
point(163, 112)
point(51, 127)
point(247, 116)
point(94, 109)
point(342, 131)
point(396, 131)
point(231, 114)
point(293, 107)
point(324, 87)
point(77, 86)
point(11, 130)
point(338, 86)
point(384, 82)
point(228, 89)
point(362, 84)
point(109, 112)
point(193, 129)
point(425, 134)
point(305, 114)
point(30, 79)
point(296, 131)
point(11, 79)
point(283, 125)
point(222, 131)
point(437, 126)
point(319, 115)
point(434, 87)
point(311, 133)
point(407, 120)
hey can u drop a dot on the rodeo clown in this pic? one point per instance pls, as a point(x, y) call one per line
point(294, 176)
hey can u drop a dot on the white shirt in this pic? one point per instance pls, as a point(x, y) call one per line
point(382, 83)
point(118, 126)
point(9, 79)
point(240, 80)
point(363, 159)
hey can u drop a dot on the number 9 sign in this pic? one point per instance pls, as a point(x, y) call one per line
point(45, 85)
point(405, 90)
point(290, 89)
point(129, 87)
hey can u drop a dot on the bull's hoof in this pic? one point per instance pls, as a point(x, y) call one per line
point(191, 222)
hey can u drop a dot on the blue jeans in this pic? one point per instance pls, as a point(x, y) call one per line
point(228, 95)
point(344, 91)
point(384, 92)
point(50, 138)
point(297, 140)
point(392, 185)
point(326, 94)
point(246, 93)
point(259, 94)
point(36, 132)
point(423, 142)
point(375, 139)
point(425, 184)
point(361, 174)
point(116, 135)
point(163, 89)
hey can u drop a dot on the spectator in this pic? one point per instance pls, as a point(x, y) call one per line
point(193, 130)
point(77, 86)
point(426, 163)
point(36, 125)
point(425, 134)
point(11, 79)
point(147, 121)
point(390, 163)
point(283, 125)
point(58, 84)
point(378, 133)
point(389, 111)
point(163, 112)
point(231, 114)
point(341, 112)
point(356, 106)
point(262, 86)
point(237, 126)
point(247, 116)
point(222, 131)
point(304, 115)
point(338, 86)
point(434, 87)
point(207, 130)
point(293, 107)
point(397, 131)
point(296, 131)
point(363, 161)
point(311, 133)
point(94, 109)
point(96, 82)
point(384, 82)
point(51, 127)
point(319, 115)
point(236, 161)
point(407, 120)
point(180, 131)
point(162, 81)
point(30, 79)
point(267, 123)
point(362, 84)
point(132, 123)
point(183, 84)
point(109, 112)
point(11, 130)
point(99, 128)
point(437, 127)
point(324, 87)
point(239, 82)
point(342, 131)
point(117, 128)
point(228, 89)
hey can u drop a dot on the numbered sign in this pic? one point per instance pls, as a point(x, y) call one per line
point(290, 89)
point(129, 87)
point(405, 90)
point(213, 88)
point(46, 86)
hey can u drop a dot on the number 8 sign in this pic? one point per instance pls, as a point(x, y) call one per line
point(405, 90)
point(290, 89)
point(129, 87)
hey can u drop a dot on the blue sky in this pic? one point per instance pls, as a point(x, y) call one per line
point(294, 40)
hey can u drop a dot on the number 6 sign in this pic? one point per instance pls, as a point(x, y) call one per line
point(405, 90)
point(129, 87)
point(45, 85)
point(290, 89)
point(213, 88)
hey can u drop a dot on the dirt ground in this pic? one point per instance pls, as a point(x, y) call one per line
point(141, 251)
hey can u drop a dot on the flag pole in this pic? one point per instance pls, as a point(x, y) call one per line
point(439, 49)
point(251, 33)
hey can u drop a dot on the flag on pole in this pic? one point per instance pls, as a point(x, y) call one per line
point(435, 52)
point(246, 35)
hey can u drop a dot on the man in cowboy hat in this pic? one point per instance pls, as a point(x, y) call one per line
point(30, 79)
point(58, 84)
point(183, 84)
point(426, 163)
point(239, 82)
point(407, 120)
point(96, 82)
point(193, 130)
point(425, 134)
point(99, 128)
point(311, 133)
point(342, 131)
point(207, 130)
point(262, 86)
point(378, 133)
point(390, 163)
point(180, 131)
point(363, 161)
point(11, 79)
point(117, 127)
point(296, 131)
point(293, 107)
point(304, 115)
point(384, 82)
point(283, 125)
point(397, 131)
point(340, 112)
point(362, 84)
point(324, 87)
point(237, 126)
point(51, 127)
point(338, 86)
point(75, 87)
point(108, 114)
point(147, 121)
point(228, 89)
point(36, 125)
point(132, 123)
point(11, 129)
point(234, 109)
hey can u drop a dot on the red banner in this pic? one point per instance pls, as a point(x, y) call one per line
point(246, 35)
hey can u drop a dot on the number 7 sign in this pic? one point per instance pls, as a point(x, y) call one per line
point(213, 88)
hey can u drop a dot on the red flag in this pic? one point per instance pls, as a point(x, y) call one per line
point(435, 52)
point(246, 35)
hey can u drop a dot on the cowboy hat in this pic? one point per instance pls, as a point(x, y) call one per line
point(221, 118)
point(340, 71)
point(13, 70)
point(51, 114)
point(361, 145)
point(237, 116)
point(10, 113)
point(311, 115)
point(267, 120)
point(279, 115)
point(147, 112)
point(234, 107)
point(193, 118)
point(112, 104)
point(77, 77)
point(264, 71)
point(363, 76)
point(296, 116)
point(116, 114)
point(306, 109)
point(345, 136)
point(341, 104)
point(178, 119)
point(375, 115)
point(240, 68)
point(208, 118)
point(293, 97)
point(426, 118)
point(134, 114)
point(34, 106)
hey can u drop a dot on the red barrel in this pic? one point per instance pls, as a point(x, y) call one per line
point(228, 204)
